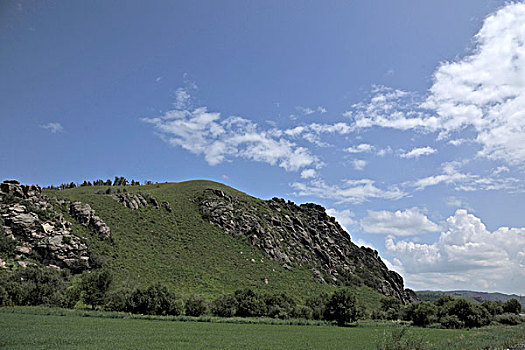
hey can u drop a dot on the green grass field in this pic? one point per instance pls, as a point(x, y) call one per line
point(31, 328)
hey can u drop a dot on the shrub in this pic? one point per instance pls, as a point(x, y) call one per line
point(195, 306)
point(94, 286)
point(7, 245)
point(472, 315)
point(451, 322)
point(317, 304)
point(302, 311)
point(279, 305)
point(155, 300)
point(341, 307)
point(249, 304)
point(512, 306)
point(224, 306)
point(4, 297)
point(493, 307)
point(508, 319)
point(423, 314)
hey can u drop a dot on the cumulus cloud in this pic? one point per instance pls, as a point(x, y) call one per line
point(350, 191)
point(220, 139)
point(53, 127)
point(483, 91)
point(362, 148)
point(344, 217)
point(359, 164)
point(399, 223)
point(418, 152)
point(308, 173)
point(466, 255)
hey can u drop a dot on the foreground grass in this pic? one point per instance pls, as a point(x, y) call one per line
point(31, 328)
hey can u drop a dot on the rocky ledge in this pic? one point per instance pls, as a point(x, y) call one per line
point(304, 236)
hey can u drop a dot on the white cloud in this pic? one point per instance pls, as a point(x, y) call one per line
point(351, 191)
point(220, 139)
point(308, 173)
point(418, 152)
point(399, 223)
point(484, 91)
point(53, 127)
point(362, 148)
point(466, 255)
point(309, 111)
point(344, 217)
point(359, 164)
point(384, 151)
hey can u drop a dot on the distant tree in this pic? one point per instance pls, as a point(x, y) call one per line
point(512, 306)
point(424, 313)
point(94, 286)
point(341, 307)
point(317, 303)
point(493, 307)
point(443, 300)
point(108, 182)
point(224, 306)
point(195, 306)
point(249, 303)
point(279, 305)
point(391, 306)
point(72, 185)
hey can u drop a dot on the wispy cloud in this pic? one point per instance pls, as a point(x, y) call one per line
point(53, 127)
point(349, 191)
point(408, 222)
point(418, 152)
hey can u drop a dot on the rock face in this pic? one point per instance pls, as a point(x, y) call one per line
point(303, 236)
point(28, 219)
point(86, 216)
point(135, 201)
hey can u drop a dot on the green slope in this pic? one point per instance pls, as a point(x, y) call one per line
point(182, 250)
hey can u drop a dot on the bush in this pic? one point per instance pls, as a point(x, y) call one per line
point(341, 307)
point(249, 304)
point(317, 304)
point(302, 311)
point(4, 297)
point(7, 246)
point(155, 300)
point(195, 306)
point(94, 286)
point(279, 305)
point(508, 319)
point(451, 322)
point(224, 306)
point(423, 314)
point(512, 306)
point(472, 315)
point(493, 307)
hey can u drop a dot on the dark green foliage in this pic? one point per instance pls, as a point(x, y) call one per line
point(317, 303)
point(512, 306)
point(423, 314)
point(493, 307)
point(7, 245)
point(472, 315)
point(302, 311)
point(224, 306)
point(279, 305)
point(451, 322)
point(508, 318)
point(4, 297)
point(249, 304)
point(36, 286)
point(195, 306)
point(154, 300)
point(391, 307)
point(95, 285)
point(341, 307)
point(443, 300)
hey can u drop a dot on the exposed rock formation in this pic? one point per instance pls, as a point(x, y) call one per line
point(38, 232)
point(302, 235)
point(135, 201)
point(86, 216)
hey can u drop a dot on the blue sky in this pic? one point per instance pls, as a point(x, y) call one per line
point(405, 119)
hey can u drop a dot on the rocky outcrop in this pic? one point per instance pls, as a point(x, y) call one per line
point(302, 236)
point(38, 232)
point(135, 201)
point(85, 216)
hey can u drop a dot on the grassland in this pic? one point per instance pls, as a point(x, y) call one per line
point(32, 328)
point(184, 252)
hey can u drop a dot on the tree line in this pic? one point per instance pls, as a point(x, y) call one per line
point(37, 286)
point(118, 181)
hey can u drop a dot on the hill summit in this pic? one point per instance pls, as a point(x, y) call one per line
point(195, 236)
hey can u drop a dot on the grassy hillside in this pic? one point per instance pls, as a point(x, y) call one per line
point(429, 295)
point(182, 250)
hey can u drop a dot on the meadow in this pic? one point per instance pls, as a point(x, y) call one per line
point(46, 328)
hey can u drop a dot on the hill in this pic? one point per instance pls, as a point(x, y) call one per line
point(479, 297)
point(196, 237)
